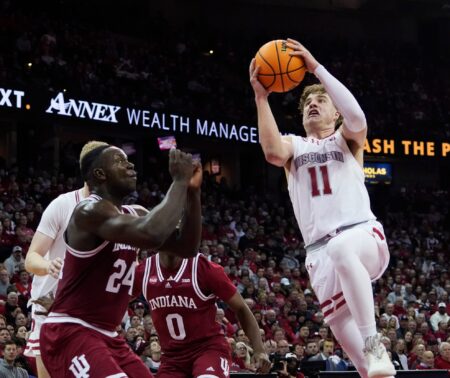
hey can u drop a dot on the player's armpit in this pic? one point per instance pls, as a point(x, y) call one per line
point(358, 137)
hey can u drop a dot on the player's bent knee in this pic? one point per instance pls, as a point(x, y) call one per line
point(207, 376)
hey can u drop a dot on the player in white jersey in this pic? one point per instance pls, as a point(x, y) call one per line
point(44, 259)
point(346, 247)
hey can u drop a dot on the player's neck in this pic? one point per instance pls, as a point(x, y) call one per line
point(320, 132)
point(117, 200)
point(85, 191)
point(169, 261)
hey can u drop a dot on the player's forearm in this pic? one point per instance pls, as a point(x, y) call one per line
point(186, 241)
point(163, 219)
point(269, 135)
point(342, 98)
point(191, 231)
point(251, 328)
point(36, 264)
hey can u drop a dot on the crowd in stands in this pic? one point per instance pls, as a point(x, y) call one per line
point(256, 239)
point(171, 70)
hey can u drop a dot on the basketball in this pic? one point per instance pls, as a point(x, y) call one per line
point(279, 71)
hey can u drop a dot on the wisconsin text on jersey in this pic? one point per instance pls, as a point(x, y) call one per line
point(316, 157)
point(172, 301)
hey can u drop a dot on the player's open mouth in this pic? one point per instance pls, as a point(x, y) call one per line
point(313, 113)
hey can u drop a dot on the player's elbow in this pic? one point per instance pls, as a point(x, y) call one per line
point(153, 238)
point(356, 121)
point(274, 159)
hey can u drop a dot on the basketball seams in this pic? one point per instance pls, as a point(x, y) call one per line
point(273, 70)
point(279, 63)
point(272, 60)
point(281, 73)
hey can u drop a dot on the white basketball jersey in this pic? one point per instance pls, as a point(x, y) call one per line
point(53, 223)
point(326, 186)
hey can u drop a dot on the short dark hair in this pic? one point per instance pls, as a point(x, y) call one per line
point(10, 342)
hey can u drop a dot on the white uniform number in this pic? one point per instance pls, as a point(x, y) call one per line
point(176, 326)
point(121, 277)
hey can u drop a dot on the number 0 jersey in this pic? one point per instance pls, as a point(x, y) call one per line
point(183, 302)
point(95, 286)
point(326, 186)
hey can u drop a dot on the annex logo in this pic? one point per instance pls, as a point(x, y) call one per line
point(83, 109)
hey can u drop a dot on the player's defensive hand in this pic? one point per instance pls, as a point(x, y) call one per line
point(300, 50)
point(262, 362)
point(180, 166)
point(54, 267)
point(258, 88)
point(197, 177)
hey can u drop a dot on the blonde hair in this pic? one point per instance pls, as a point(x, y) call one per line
point(91, 146)
point(315, 89)
point(249, 351)
point(89, 153)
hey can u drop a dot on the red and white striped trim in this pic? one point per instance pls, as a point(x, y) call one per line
point(86, 254)
point(118, 375)
point(130, 209)
point(197, 290)
point(177, 276)
point(148, 265)
point(55, 317)
point(333, 304)
point(378, 232)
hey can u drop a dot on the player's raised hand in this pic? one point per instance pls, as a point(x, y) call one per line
point(54, 267)
point(258, 88)
point(262, 362)
point(180, 166)
point(300, 50)
point(197, 177)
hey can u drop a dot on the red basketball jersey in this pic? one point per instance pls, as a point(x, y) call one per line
point(95, 286)
point(183, 302)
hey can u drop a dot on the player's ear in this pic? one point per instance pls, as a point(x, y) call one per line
point(99, 174)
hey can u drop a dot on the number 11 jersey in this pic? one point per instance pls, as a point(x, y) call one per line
point(326, 186)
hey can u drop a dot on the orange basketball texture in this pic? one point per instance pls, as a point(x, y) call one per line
point(279, 71)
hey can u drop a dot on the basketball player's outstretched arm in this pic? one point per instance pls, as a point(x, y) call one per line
point(185, 241)
point(251, 329)
point(355, 126)
point(95, 221)
point(277, 149)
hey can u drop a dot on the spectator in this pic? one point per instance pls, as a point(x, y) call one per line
point(282, 347)
point(7, 365)
point(400, 350)
point(443, 360)
point(14, 263)
point(4, 282)
point(243, 356)
point(427, 361)
point(438, 316)
point(389, 314)
point(226, 326)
